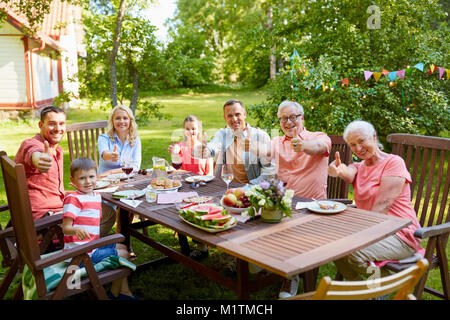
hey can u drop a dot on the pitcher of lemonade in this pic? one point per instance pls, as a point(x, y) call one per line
point(159, 167)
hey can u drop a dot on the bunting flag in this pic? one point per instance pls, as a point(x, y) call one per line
point(419, 66)
point(385, 72)
point(392, 75)
point(448, 73)
point(367, 74)
point(377, 76)
point(401, 74)
point(441, 72)
point(345, 81)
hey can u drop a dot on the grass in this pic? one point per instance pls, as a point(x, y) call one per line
point(173, 280)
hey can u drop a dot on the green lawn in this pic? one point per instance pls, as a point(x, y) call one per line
point(171, 281)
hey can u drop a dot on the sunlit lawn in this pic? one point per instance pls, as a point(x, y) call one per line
point(169, 281)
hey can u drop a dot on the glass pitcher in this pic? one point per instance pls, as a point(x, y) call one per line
point(159, 167)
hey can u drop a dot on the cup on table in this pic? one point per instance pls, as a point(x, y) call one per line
point(150, 195)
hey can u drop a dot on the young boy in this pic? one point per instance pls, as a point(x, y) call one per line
point(81, 221)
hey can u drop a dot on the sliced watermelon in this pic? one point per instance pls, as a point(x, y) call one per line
point(216, 216)
point(224, 225)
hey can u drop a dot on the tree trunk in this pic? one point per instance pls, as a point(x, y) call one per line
point(135, 91)
point(113, 55)
point(272, 57)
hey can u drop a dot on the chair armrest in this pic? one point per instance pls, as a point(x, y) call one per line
point(432, 231)
point(39, 225)
point(68, 254)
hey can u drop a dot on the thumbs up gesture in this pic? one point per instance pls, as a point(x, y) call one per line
point(115, 154)
point(42, 160)
point(336, 168)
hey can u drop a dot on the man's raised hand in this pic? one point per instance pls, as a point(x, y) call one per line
point(42, 160)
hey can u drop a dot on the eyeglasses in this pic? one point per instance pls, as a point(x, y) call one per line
point(292, 118)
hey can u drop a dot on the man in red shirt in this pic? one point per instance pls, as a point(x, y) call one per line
point(42, 158)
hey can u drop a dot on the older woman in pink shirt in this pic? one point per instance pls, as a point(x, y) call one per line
point(381, 183)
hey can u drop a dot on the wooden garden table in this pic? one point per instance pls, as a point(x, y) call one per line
point(295, 245)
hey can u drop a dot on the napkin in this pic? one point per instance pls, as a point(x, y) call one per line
point(131, 203)
point(242, 219)
point(302, 205)
point(164, 198)
point(111, 189)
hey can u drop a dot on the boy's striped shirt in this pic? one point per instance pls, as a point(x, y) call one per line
point(85, 210)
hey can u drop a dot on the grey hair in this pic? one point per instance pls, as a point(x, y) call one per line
point(364, 127)
point(288, 103)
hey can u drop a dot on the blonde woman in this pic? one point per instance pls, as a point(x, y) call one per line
point(120, 142)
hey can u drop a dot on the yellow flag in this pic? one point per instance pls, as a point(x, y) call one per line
point(377, 76)
point(448, 73)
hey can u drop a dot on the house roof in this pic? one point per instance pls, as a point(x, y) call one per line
point(62, 19)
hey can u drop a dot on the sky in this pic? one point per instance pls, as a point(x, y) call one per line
point(158, 13)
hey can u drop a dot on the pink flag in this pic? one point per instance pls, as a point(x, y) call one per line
point(441, 72)
point(367, 74)
point(401, 74)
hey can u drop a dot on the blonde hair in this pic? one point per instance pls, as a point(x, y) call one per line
point(132, 131)
point(193, 118)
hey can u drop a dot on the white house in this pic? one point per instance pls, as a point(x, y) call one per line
point(36, 69)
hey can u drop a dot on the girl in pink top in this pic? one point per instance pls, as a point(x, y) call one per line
point(381, 183)
point(192, 137)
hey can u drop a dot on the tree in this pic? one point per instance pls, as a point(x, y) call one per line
point(334, 42)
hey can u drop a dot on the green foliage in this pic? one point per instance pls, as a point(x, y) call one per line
point(334, 43)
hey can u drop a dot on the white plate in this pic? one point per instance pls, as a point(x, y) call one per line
point(170, 169)
point(232, 209)
point(199, 178)
point(313, 206)
point(126, 194)
point(170, 190)
point(210, 230)
point(121, 176)
point(99, 184)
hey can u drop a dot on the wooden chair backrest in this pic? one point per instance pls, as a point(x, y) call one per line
point(402, 282)
point(82, 139)
point(426, 158)
point(20, 211)
point(337, 188)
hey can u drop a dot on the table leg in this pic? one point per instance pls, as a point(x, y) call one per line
point(242, 280)
point(184, 245)
point(310, 278)
point(123, 226)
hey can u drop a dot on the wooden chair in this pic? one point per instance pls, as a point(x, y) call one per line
point(82, 139)
point(338, 189)
point(402, 283)
point(28, 248)
point(426, 158)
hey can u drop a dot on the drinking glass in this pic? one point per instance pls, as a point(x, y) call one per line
point(227, 174)
point(127, 167)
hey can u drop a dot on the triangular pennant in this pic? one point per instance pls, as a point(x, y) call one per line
point(377, 76)
point(367, 74)
point(385, 72)
point(294, 55)
point(345, 81)
point(432, 68)
point(441, 72)
point(419, 66)
point(392, 75)
point(448, 73)
point(401, 74)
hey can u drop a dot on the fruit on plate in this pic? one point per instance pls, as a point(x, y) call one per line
point(208, 216)
point(236, 198)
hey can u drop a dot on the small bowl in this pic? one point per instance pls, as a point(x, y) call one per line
point(233, 209)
